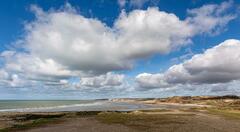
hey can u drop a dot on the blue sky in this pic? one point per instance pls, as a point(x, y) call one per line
point(80, 49)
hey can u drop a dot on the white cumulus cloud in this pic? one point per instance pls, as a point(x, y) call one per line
point(88, 44)
point(220, 64)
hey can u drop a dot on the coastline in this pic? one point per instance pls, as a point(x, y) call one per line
point(210, 114)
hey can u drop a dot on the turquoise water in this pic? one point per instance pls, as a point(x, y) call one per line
point(66, 105)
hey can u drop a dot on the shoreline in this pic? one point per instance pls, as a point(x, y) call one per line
point(195, 101)
point(139, 105)
point(181, 114)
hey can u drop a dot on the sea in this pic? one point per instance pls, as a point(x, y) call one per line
point(68, 105)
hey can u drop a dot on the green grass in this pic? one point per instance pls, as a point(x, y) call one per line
point(87, 113)
point(141, 121)
point(233, 114)
point(32, 124)
point(228, 112)
point(26, 117)
point(27, 121)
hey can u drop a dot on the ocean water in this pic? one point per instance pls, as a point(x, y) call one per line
point(67, 105)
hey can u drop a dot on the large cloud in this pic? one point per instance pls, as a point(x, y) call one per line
point(87, 44)
point(61, 44)
point(219, 64)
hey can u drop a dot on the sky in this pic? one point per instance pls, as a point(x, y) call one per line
point(81, 49)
